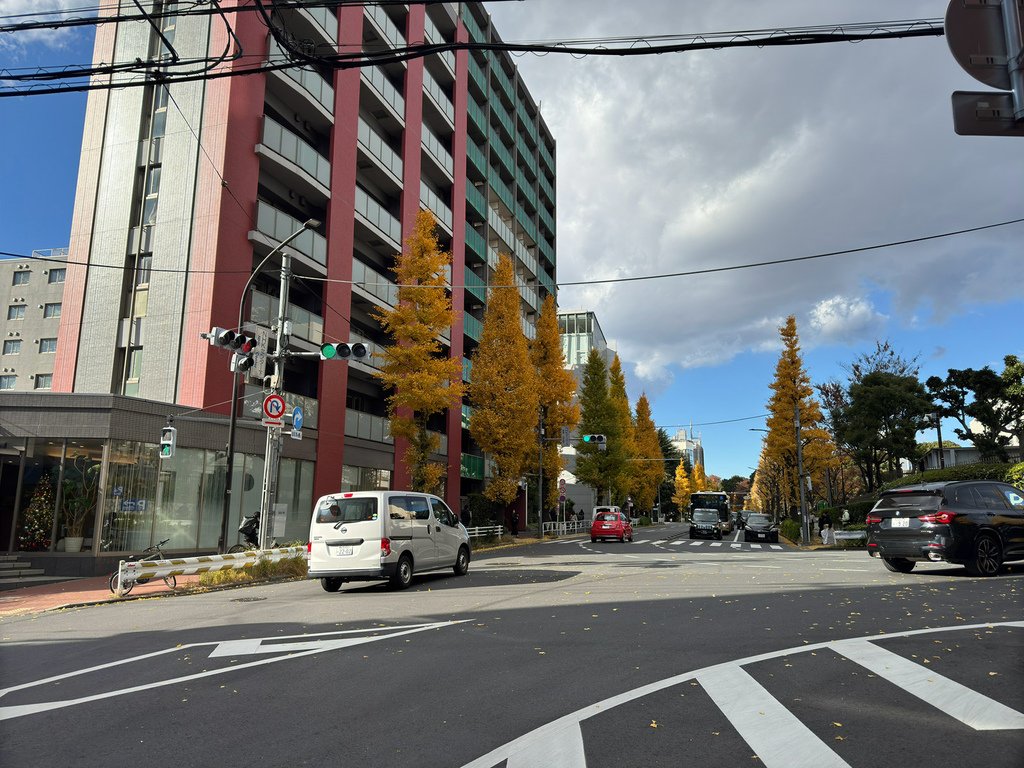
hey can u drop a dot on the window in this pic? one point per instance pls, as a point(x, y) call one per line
point(143, 266)
point(47, 345)
point(7, 382)
point(44, 380)
point(1013, 497)
point(56, 275)
point(20, 278)
point(16, 312)
point(12, 346)
point(51, 310)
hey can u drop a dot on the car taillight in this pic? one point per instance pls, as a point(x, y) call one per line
point(385, 547)
point(309, 547)
point(872, 519)
point(943, 516)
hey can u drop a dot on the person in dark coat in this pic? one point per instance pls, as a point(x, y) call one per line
point(515, 523)
point(465, 517)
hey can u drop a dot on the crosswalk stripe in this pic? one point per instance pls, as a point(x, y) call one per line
point(774, 546)
point(755, 546)
point(561, 747)
point(716, 543)
point(696, 543)
point(965, 704)
point(776, 735)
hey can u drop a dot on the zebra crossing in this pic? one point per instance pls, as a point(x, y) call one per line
point(779, 736)
point(700, 543)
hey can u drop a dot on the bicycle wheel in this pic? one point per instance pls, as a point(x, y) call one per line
point(170, 581)
point(236, 549)
point(125, 588)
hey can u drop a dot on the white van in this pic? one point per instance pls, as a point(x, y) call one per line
point(369, 535)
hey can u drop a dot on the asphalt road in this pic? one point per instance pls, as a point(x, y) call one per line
point(657, 652)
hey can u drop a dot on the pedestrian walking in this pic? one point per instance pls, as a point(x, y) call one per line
point(466, 516)
point(515, 523)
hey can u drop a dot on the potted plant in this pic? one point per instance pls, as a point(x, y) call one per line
point(79, 498)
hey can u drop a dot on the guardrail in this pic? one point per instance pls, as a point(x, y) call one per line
point(130, 571)
point(566, 527)
point(483, 531)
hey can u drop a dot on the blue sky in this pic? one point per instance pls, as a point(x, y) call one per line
point(675, 163)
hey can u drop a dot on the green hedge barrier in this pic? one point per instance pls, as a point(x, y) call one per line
point(965, 472)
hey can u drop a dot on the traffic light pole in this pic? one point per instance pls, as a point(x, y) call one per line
point(273, 454)
point(233, 417)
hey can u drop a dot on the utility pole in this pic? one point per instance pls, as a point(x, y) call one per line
point(540, 476)
point(273, 453)
point(800, 476)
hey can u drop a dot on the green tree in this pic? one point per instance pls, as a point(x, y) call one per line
point(593, 466)
point(792, 393)
point(670, 458)
point(883, 417)
point(994, 402)
point(556, 387)
point(622, 449)
point(649, 466)
point(504, 389)
point(422, 379)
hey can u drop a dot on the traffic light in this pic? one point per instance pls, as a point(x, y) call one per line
point(221, 337)
point(342, 351)
point(597, 440)
point(168, 439)
point(243, 359)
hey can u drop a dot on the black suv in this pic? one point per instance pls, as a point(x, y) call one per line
point(979, 524)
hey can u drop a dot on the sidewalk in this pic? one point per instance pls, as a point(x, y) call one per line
point(92, 590)
point(82, 591)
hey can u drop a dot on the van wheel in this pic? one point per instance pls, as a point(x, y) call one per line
point(402, 577)
point(987, 559)
point(898, 564)
point(331, 583)
point(461, 566)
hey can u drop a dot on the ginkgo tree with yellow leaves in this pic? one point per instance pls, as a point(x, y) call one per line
point(648, 465)
point(556, 387)
point(422, 379)
point(683, 487)
point(504, 390)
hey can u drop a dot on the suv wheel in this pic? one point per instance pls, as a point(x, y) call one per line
point(898, 564)
point(988, 557)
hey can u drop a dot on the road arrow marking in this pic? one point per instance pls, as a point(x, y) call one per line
point(309, 645)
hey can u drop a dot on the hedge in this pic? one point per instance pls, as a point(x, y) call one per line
point(1015, 475)
point(965, 472)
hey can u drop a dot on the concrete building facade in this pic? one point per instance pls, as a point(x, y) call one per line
point(185, 188)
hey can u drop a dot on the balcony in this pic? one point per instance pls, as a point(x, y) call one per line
point(373, 285)
point(433, 202)
point(475, 286)
point(380, 163)
point(384, 26)
point(476, 200)
point(373, 215)
point(500, 188)
point(387, 96)
point(274, 226)
point(504, 81)
point(439, 99)
point(472, 466)
point(433, 35)
point(366, 426)
point(436, 150)
point(301, 166)
point(473, 327)
point(546, 187)
point(305, 324)
point(476, 157)
point(477, 76)
point(546, 219)
point(477, 116)
point(303, 90)
point(475, 243)
point(545, 155)
point(316, 24)
point(504, 119)
point(476, 32)
point(526, 121)
point(499, 150)
point(467, 369)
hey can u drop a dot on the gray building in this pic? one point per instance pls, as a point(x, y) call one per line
point(32, 298)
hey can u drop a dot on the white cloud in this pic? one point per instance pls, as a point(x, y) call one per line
point(23, 11)
point(842, 319)
point(691, 161)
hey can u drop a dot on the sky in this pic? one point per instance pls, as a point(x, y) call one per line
point(689, 161)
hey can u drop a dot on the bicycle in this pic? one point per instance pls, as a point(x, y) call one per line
point(149, 553)
point(250, 530)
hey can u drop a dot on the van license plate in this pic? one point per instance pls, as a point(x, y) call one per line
point(900, 522)
point(338, 551)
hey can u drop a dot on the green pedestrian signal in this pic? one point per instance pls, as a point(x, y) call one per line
point(168, 440)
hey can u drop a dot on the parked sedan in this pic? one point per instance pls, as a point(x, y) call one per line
point(611, 525)
point(760, 527)
point(705, 522)
point(979, 524)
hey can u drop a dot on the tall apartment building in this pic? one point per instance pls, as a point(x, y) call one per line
point(184, 189)
point(31, 297)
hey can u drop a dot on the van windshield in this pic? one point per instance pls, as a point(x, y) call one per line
point(347, 510)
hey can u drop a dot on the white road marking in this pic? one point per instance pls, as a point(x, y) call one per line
point(285, 650)
point(846, 570)
point(716, 543)
point(523, 744)
point(562, 747)
point(775, 734)
point(965, 704)
point(696, 543)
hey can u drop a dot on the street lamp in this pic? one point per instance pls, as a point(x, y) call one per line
point(308, 224)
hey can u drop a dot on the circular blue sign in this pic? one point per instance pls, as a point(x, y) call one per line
point(297, 418)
